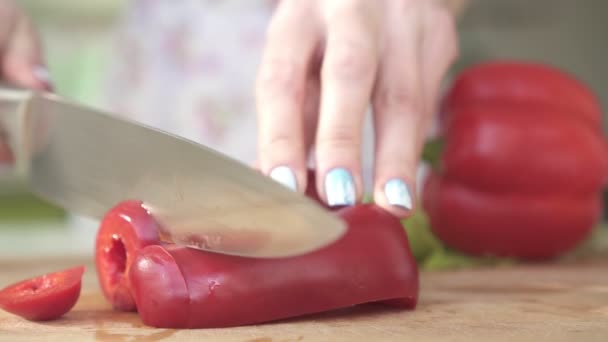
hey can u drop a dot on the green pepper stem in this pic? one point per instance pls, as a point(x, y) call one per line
point(431, 152)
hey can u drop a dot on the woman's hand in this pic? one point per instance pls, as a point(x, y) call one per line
point(21, 60)
point(324, 63)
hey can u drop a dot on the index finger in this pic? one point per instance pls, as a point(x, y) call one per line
point(280, 92)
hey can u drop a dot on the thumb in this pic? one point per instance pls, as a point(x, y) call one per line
point(21, 60)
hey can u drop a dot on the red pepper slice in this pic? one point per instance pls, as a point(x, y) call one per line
point(125, 229)
point(177, 287)
point(43, 298)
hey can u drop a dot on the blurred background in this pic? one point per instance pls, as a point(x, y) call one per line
point(79, 35)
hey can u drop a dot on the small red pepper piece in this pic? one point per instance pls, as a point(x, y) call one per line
point(125, 229)
point(178, 287)
point(43, 298)
point(523, 164)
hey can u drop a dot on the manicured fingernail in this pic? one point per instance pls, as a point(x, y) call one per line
point(43, 76)
point(285, 176)
point(398, 194)
point(339, 187)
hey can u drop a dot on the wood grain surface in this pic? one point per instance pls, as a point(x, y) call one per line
point(567, 302)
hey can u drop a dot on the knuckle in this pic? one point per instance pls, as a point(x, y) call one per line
point(441, 23)
point(407, 6)
point(444, 19)
point(351, 61)
point(275, 31)
point(398, 99)
point(281, 77)
point(279, 142)
point(343, 139)
point(337, 8)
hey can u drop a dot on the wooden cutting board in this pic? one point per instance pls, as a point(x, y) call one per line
point(525, 303)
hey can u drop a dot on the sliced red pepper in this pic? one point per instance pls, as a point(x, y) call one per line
point(124, 230)
point(177, 287)
point(44, 298)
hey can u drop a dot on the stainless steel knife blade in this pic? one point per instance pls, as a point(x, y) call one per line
point(87, 161)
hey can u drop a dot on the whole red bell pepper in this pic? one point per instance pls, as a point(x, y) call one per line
point(178, 287)
point(523, 162)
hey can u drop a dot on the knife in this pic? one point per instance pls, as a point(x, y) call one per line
point(86, 161)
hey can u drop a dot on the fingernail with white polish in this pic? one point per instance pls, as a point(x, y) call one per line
point(339, 187)
point(285, 176)
point(398, 194)
point(42, 74)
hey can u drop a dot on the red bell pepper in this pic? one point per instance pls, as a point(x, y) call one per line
point(178, 287)
point(526, 85)
point(523, 162)
point(43, 298)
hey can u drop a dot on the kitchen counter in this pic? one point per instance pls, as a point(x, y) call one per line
point(562, 302)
